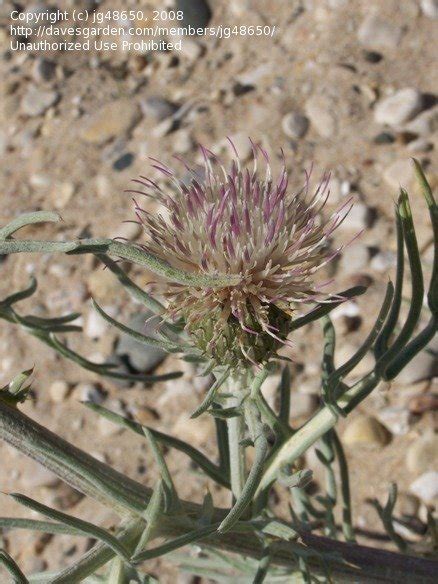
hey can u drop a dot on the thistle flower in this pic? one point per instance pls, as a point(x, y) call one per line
point(240, 221)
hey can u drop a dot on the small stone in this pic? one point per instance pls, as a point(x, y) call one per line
point(36, 101)
point(376, 33)
point(425, 124)
point(158, 107)
point(419, 145)
point(319, 111)
point(399, 173)
point(423, 366)
point(89, 392)
point(372, 56)
point(303, 405)
point(241, 143)
point(295, 125)
point(407, 505)
point(398, 108)
point(430, 8)
point(366, 430)
point(141, 357)
point(123, 161)
point(164, 128)
point(61, 194)
point(65, 497)
point(103, 285)
point(58, 391)
point(110, 121)
point(384, 138)
point(128, 230)
point(383, 261)
point(426, 487)
point(396, 419)
point(354, 258)
point(39, 477)
point(357, 218)
point(43, 70)
point(419, 404)
point(95, 326)
point(182, 142)
point(422, 455)
point(197, 13)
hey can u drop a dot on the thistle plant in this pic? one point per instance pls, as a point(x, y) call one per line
point(239, 255)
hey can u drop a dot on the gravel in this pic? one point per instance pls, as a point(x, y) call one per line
point(377, 33)
point(295, 125)
point(398, 108)
point(36, 102)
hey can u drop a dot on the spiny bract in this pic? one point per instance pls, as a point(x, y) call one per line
point(239, 221)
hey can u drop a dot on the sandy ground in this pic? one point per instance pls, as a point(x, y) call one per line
point(318, 90)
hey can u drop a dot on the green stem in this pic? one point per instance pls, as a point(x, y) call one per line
point(236, 433)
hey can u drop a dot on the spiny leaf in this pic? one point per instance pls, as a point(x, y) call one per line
point(28, 219)
point(172, 500)
point(21, 295)
point(298, 479)
point(87, 528)
point(133, 290)
point(198, 458)
point(323, 309)
point(194, 536)
point(7, 562)
point(211, 394)
point(139, 337)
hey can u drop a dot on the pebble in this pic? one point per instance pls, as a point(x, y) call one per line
point(430, 8)
point(426, 486)
point(422, 366)
point(398, 108)
point(40, 477)
point(396, 419)
point(383, 261)
point(58, 391)
point(103, 285)
point(422, 455)
point(419, 404)
point(354, 258)
point(357, 218)
point(320, 113)
point(419, 145)
point(197, 13)
point(295, 125)
point(399, 173)
point(241, 143)
point(158, 107)
point(36, 101)
point(425, 124)
point(61, 194)
point(43, 70)
point(366, 430)
point(407, 505)
point(182, 142)
point(376, 33)
point(123, 161)
point(141, 357)
point(303, 405)
point(95, 326)
point(110, 121)
point(128, 230)
point(89, 392)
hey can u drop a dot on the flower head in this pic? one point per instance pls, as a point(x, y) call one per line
point(240, 221)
